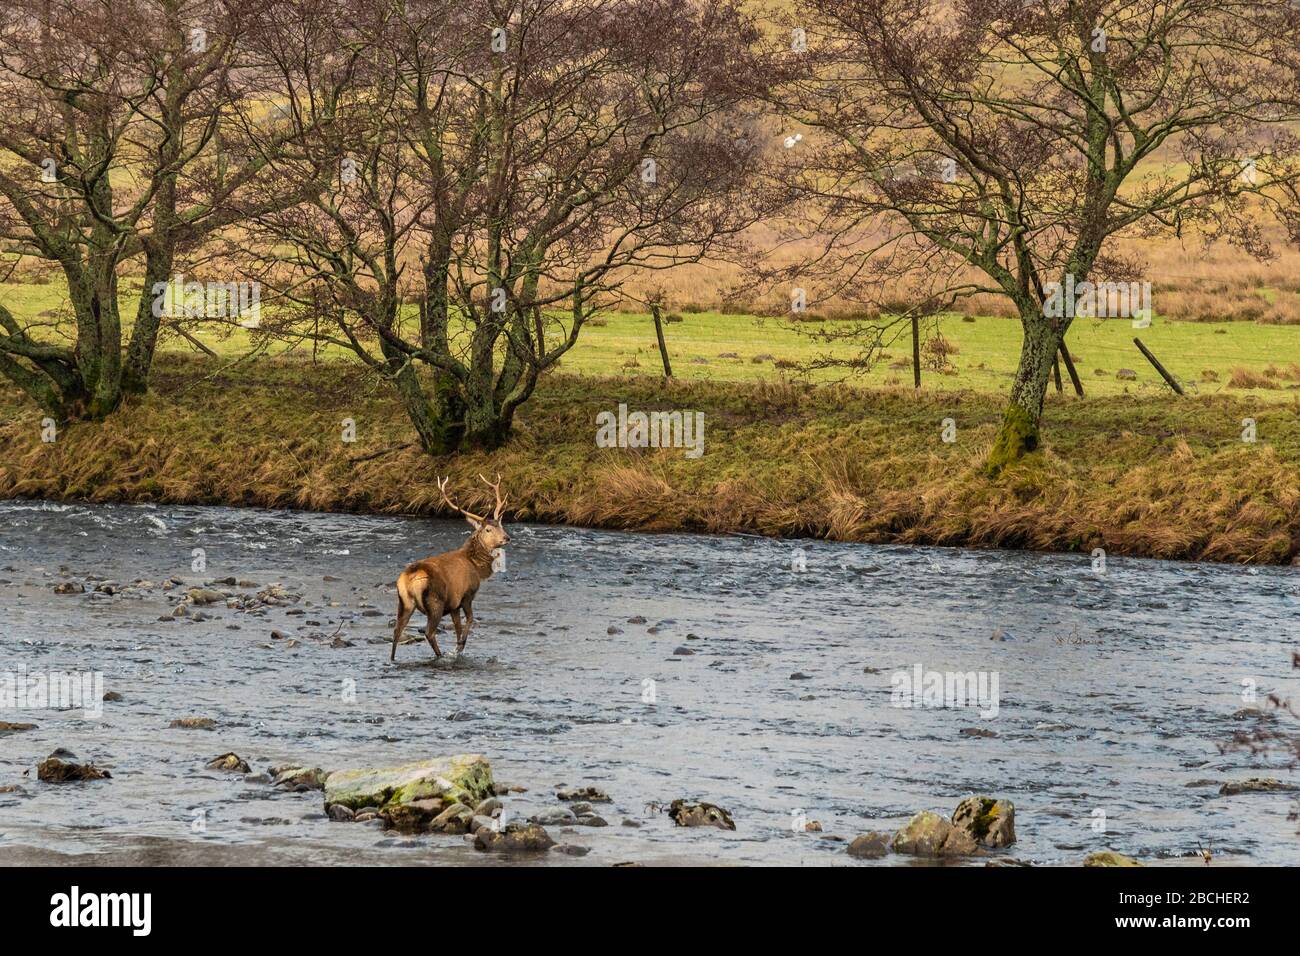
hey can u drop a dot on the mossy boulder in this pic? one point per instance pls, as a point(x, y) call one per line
point(929, 834)
point(1109, 858)
point(463, 778)
point(990, 822)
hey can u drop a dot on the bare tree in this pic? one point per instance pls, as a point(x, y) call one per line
point(120, 143)
point(515, 162)
point(999, 146)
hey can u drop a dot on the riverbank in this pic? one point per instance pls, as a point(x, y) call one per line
point(1154, 476)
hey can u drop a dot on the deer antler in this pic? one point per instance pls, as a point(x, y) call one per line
point(442, 487)
point(496, 490)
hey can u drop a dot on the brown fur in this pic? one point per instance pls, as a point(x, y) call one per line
point(447, 583)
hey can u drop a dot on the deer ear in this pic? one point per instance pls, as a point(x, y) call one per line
point(476, 525)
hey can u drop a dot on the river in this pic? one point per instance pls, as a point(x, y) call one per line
point(650, 666)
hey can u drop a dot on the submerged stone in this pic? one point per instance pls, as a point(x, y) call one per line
point(193, 723)
point(1256, 785)
point(590, 794)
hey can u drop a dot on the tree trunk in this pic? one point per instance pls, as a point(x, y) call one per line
point(144, 335)
point(435, 417)
point(486, 428)
point(1018, 434)
point(659, 334)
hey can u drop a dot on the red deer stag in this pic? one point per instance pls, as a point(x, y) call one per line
point(446, 584)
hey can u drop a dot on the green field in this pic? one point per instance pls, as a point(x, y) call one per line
point(620, 343)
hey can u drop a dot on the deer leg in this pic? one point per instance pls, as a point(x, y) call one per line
point(469, 623)
point(404, 612)
point(435, 615)
point(460, 640)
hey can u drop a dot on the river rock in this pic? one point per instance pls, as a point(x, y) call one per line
point(340, 814)
point(421, 816)
point(571, 849)
point(560, 816)
point(69, 587)
point(928, 834)
point(514, 838)
point(870, 846)
point(7, 728)
point(592, 820)
point(1256, 785)
point(230, 762)
point(1126, 375)
point(489, 807)
point(454, 819)
point(53, 769)
point(700, 815)
point(463, 778)
point(1109, 858)
point(204, 596)
point(479, 820)
point(193, 723)
point(298, 779)
point(990, 822)
point(589, 794)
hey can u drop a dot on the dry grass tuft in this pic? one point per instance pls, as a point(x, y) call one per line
point(1247, 378)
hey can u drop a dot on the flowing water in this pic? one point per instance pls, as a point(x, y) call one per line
point(768, 691)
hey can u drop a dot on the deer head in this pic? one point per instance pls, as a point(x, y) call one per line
point(489, 533)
